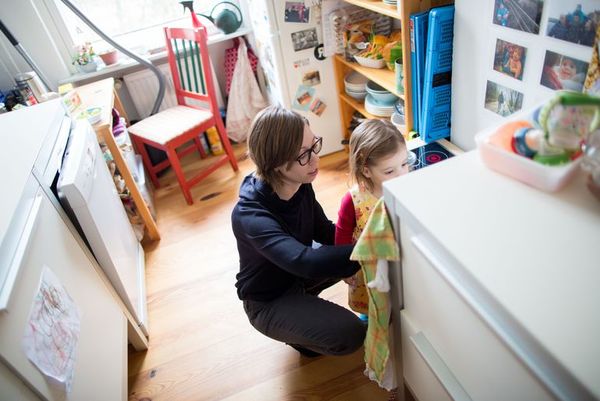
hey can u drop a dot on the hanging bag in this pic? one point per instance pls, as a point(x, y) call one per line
point(231, 56)
point(245, 98)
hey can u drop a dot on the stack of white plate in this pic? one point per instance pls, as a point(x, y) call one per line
point(379, 108)
point(390, 2)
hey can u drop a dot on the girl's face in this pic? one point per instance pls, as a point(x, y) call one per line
point(386, 168)
point(516, 55)
point(297, 174)
point(567, 69)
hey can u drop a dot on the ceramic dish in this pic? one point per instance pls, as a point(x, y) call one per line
point(355, 82)
point(370, 62)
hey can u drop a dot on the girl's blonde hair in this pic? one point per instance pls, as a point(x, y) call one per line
point(371, 141)
point(275, 139)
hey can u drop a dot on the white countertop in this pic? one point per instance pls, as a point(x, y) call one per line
point(22, 134)
point(536, 253)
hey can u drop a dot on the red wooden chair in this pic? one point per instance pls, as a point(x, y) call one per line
point(196, 111)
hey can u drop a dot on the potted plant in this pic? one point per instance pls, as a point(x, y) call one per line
point(84, 58)
point(109, 57)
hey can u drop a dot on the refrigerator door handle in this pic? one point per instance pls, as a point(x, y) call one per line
point(21, 249)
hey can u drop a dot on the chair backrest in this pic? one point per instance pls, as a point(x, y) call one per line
point(190, 66)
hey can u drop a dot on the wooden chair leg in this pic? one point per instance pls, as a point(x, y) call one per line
point(172, 155)
point(141, 148)
point(226, 143)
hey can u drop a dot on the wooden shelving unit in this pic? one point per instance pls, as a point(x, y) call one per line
point(383, 77)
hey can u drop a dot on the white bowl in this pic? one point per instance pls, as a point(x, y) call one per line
point(356, 95)
point(370, 62)
point(355, 81)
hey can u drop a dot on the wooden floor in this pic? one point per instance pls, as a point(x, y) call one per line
point(202, 346)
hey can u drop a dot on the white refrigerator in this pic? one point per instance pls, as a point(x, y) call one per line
point(289, 40)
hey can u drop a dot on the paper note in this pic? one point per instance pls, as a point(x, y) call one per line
point(52, 332)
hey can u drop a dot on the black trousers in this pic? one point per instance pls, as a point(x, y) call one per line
point(301, 318)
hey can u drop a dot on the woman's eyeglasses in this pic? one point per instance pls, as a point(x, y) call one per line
point(305, 156)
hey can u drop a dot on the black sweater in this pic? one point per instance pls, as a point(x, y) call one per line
point(274, 240)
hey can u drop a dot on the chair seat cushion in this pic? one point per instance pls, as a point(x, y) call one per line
point(170, 123)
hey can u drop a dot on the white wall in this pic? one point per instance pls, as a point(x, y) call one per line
point(474, 45)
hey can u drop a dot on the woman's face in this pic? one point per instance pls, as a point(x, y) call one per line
point(567, 69)
point(298, 174)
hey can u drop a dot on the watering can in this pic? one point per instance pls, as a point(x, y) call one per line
point(226, 20)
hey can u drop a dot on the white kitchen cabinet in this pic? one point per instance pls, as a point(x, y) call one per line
point(35, 234)
point(497, 293)
point(100, 361)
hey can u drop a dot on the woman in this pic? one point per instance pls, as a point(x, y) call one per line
point(275, 222)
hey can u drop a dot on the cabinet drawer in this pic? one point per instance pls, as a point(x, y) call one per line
point(419, 375)
point(100, 367)
point(479, 361)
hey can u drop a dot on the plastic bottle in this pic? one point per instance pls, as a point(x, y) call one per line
point(213, 140)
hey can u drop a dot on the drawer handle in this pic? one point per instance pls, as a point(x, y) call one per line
point(21, 250)
point(439, 368)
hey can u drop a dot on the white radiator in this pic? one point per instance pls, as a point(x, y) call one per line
point(143, 88)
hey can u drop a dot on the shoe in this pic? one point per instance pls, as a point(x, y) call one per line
point(304, 351)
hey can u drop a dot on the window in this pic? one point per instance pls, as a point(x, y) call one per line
point(134, 24)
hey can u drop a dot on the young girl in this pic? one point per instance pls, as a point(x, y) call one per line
point(377, 154)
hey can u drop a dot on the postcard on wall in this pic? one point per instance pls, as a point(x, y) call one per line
point(523, 15)
point(502, 100)
point(303, 98)
point(563, 72)
point(52, 333)
point(573, 21)
point(311, 78)
point(301, 63)
point(318, 107)
point(305, 39)
point(592, 80)
point(509, 59)
point(296, 11)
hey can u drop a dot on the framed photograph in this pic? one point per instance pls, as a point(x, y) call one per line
point(296, 11)
point(574, 22)
point(303, 98)
point(311, 78)
point(318, 107)
point(502, 100)
point(305, 39)
point(592, 80)
point(563, 72)
point(524, 15)
point(509, 59)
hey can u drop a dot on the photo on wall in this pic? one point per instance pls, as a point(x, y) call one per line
point(311, 78)
point(563, 72)
point(574, 21)
point(502, 100)
point(305, 39)
point(296, 11)
point(509, 59)
point(303, 98)
point(592, 80)
point(524, 15)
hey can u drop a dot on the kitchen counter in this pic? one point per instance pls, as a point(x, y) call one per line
point(527, 261)
point(20, 150)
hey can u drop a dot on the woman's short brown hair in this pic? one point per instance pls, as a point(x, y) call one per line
point(371, 141)
point(275, 139)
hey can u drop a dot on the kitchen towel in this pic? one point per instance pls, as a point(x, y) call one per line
point(375, 247)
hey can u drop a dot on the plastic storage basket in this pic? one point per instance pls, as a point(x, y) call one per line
point(546, 178)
